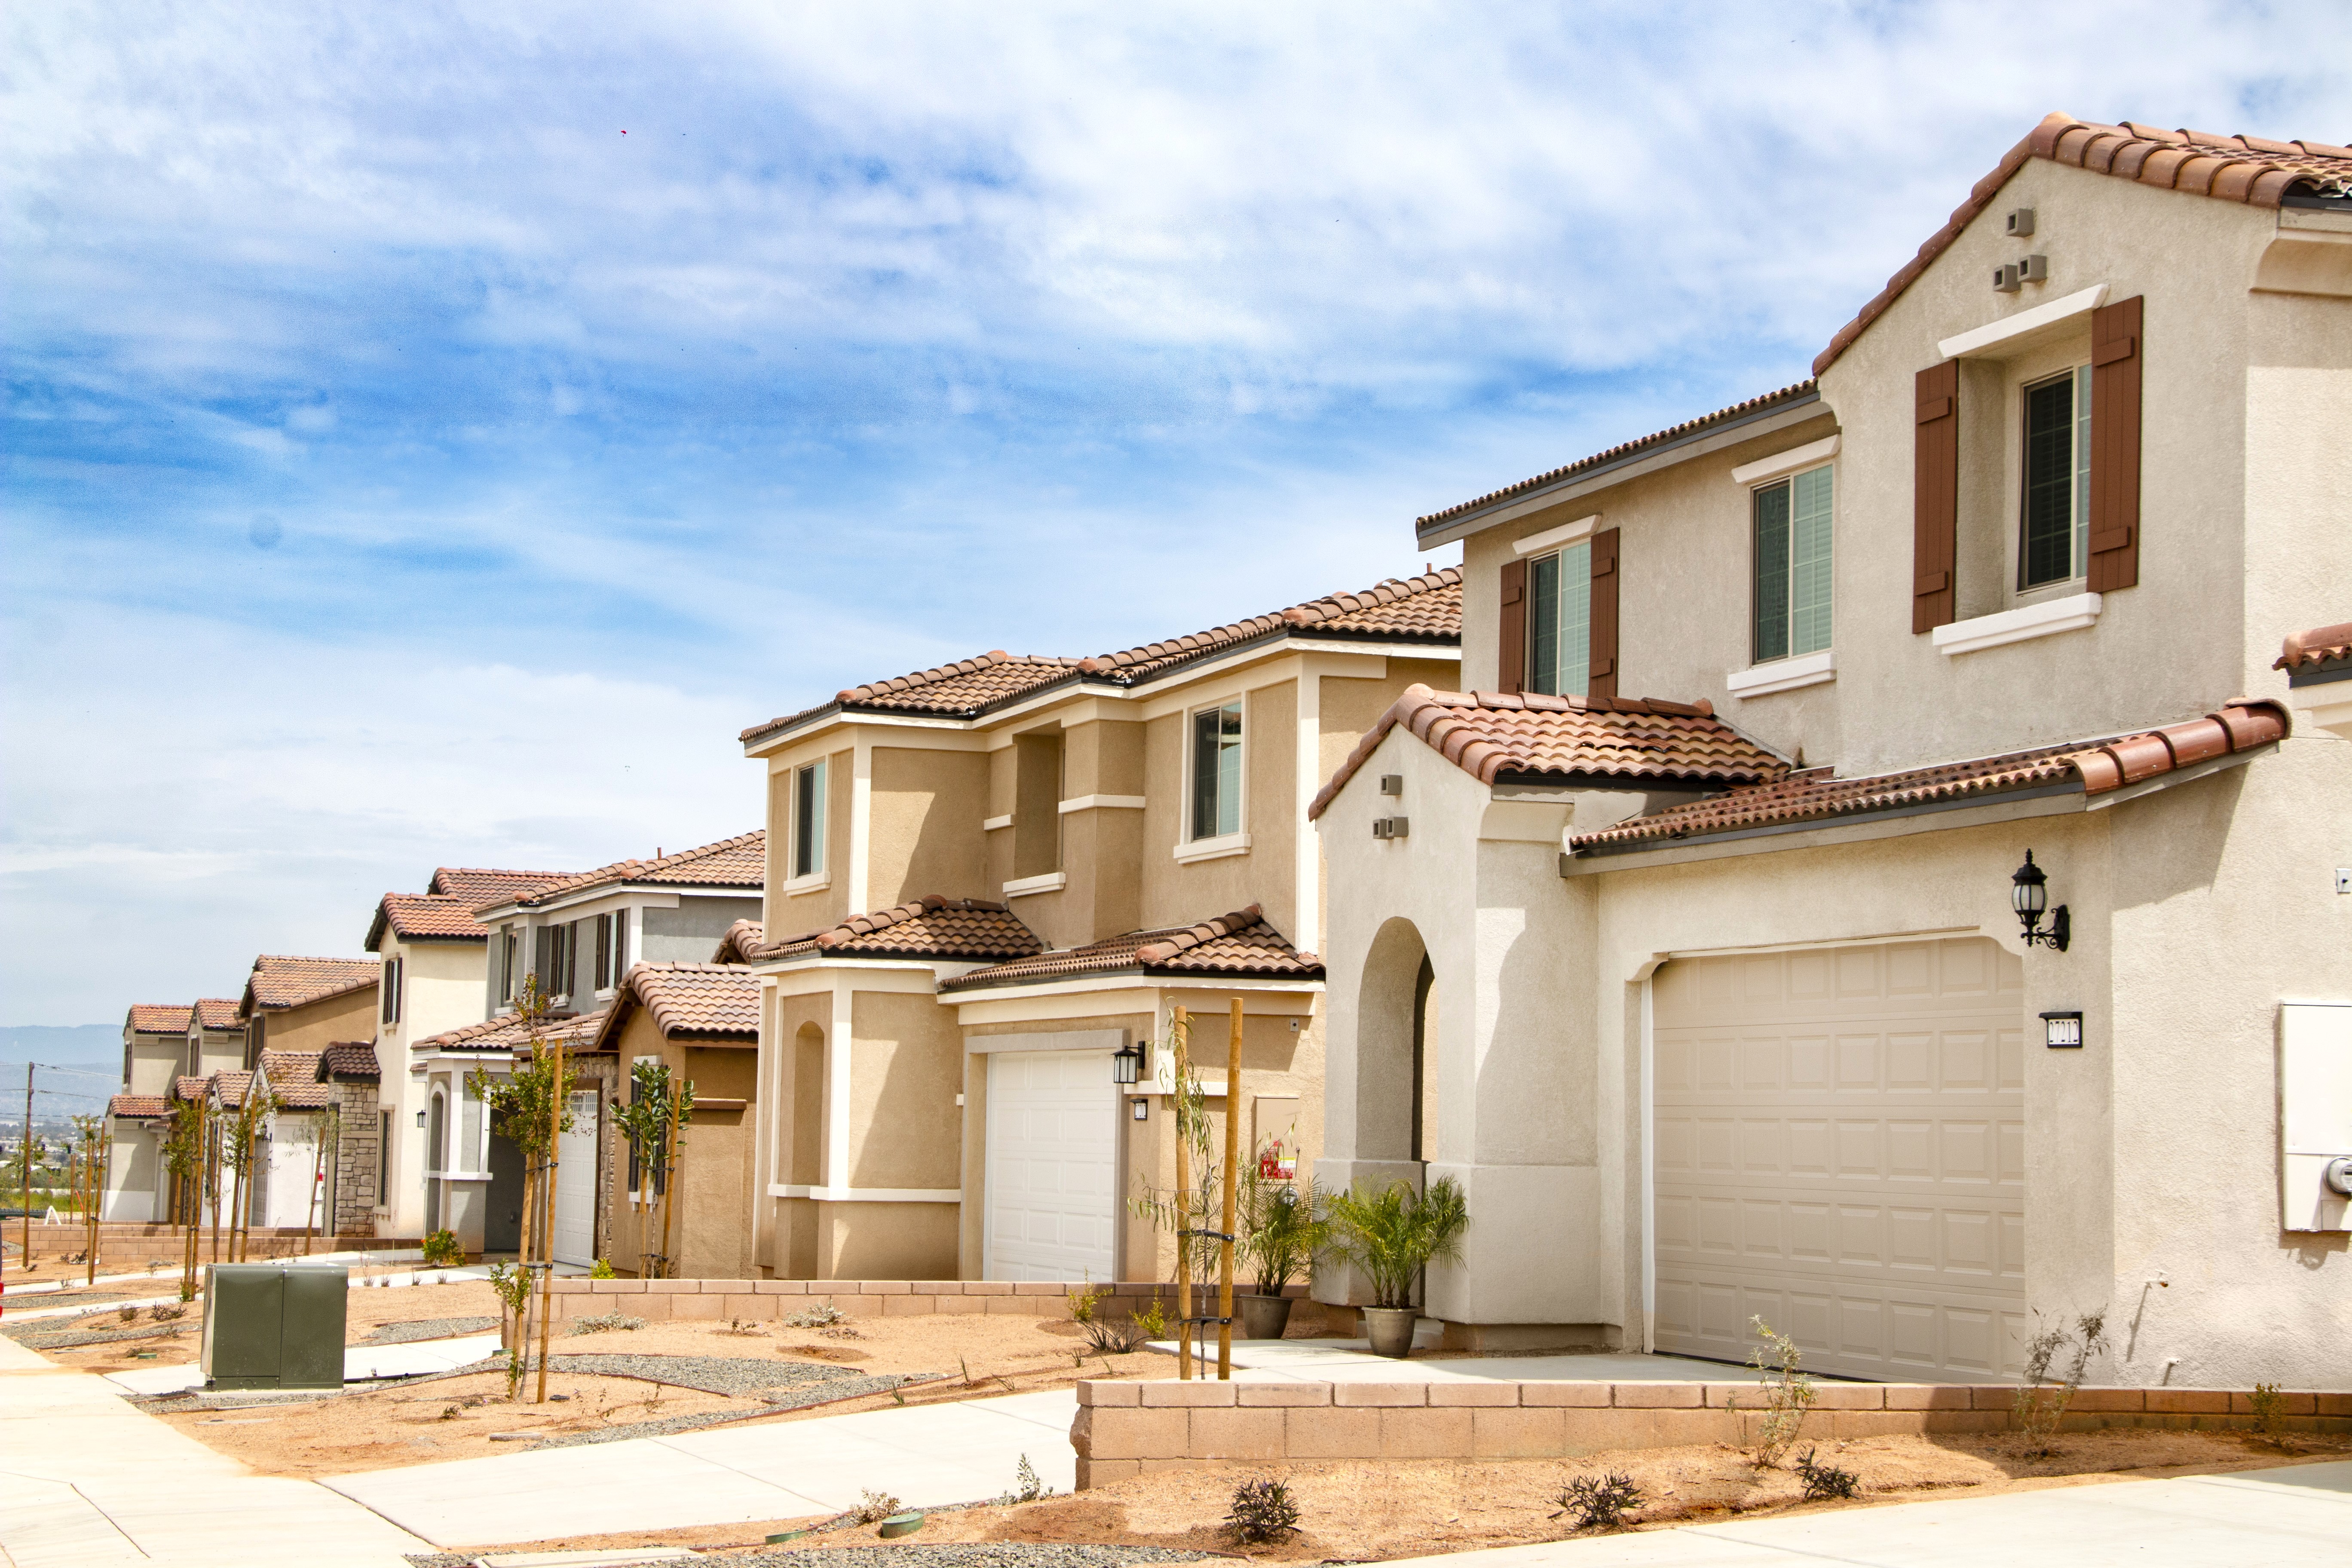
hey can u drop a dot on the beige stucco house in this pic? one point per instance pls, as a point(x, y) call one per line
point(999, 874)
point(1716, 1001)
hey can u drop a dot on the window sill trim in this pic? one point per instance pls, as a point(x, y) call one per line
point(1788, 462)
point(815, 882)
point(1213, 848)
point(1103, 803)
point(990, 825)
point(1784, 673)
point(1051, 882)
point(2047, 618)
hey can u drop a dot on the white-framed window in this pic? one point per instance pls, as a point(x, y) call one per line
point(389, 984)
point(509, 952)
point(611, 949)
point(556, 957)
point(808, 819)
point(1790, 539)
point(2053, 533)
point(1216, 740)
point(1559, 621)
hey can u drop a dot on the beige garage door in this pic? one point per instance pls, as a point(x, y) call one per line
point(1839, 1149)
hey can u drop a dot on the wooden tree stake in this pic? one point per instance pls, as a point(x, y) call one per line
point(1232, 1155)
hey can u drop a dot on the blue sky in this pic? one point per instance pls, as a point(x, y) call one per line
point(434, 433)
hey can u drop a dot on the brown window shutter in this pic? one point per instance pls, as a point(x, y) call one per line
point(1601, 678)
point(2115, 342)
point(1934, 494)
point(1511, 649)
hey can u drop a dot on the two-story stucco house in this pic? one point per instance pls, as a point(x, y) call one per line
point(154, 1046)
point(435, 958)
point(579, 936)
point(1720, 1001)
point(988, 879)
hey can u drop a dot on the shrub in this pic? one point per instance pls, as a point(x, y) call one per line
point(1788, 1394)
point(610, 1322)
point(1028, 1486)
point(603, 1269)
point(817, 1317)
point(1152, 1320)
point(1263, 1511)
point(1393, 1235)
point(129, 1312)
point(873, 1508)
point(2269, 1406)
point(1824, 1482)
point(166, 1313)
point(2041, 1400)
point(1115, 1339)
point(441, 1248)
point(1083, 1299)
point(1600, 1502)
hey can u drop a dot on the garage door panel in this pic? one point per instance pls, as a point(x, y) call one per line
point(1845, 1157)
point(1052, 1145)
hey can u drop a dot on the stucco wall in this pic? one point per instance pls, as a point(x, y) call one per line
point(906, 1070)
point(687, 934)
point(926, 814)
point(314, 1026)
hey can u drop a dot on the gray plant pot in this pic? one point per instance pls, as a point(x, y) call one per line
point(1390, 1330)
point(1263, 1317)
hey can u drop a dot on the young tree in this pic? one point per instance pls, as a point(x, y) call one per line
point(527, 1109)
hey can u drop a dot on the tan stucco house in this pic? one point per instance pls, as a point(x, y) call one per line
point(988, 878)
point(1683, 929)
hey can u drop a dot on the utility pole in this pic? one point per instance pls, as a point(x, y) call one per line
point(27, 1150)
point(1233, 1145)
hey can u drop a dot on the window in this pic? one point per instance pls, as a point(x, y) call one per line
point(1792, 565)
point(383, 1158)
point(611, 949)
point(1217, 771)
point(510, 950)
point(1559, 621)
point(808, 820)
point(1037, 803)
point(390, 984)
point(2056, 513)
point(555, 960)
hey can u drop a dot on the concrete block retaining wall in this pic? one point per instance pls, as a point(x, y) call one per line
point(1132, 1428)
point(765, 1300)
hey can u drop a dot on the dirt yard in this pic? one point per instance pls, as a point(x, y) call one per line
point(1362, 1512)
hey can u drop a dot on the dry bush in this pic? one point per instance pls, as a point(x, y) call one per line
point(1600, 1502)
point(1261, 1510)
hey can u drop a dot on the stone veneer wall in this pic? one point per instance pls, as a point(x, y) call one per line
point(357, 1146)
point(1132, 1428)
point(764, 1301)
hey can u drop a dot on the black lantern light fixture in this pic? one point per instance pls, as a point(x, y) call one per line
point(2029, 895)
point(1127, 1064)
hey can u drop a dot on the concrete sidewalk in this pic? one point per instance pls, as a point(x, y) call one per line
point(88, 1481)
point(2293, 1517)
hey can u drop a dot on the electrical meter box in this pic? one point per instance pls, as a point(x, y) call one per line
point(275, 1325)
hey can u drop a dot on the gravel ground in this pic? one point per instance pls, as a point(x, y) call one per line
point(428, 1329)
point(58, 1334)
point(722, 1375)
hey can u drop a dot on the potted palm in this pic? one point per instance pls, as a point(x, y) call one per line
point(1393, 1235)
point(1282, 1228)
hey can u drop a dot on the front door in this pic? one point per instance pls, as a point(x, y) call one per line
point(575, 1184)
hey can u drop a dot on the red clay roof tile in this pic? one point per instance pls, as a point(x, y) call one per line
point(930, 927)
point(689, 1001)
point(1489, 735)
point(738, 862)
point(2321, 645)
point(188, 1086)
point(2095, 765)
point(2247, 169)
point(508, 1032)
point(216, 1013)
point(424, 917)
point(350, 1061)
point(1240, 943)
point(293, 1078)
point(481, 885)
point(278, 980)
point(159, 1018)
point(139, 1107)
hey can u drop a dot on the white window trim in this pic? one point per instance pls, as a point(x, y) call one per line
point(793, 846)
point(2003, 334)
point(1213, 848)
point(1553, 537)
point(1784, 673)
point(1051, 882)
point(2047, 618)
point(1192, 773)
point(1786, 462)
point(993, 823)
point(1118, 802)
point(815, 881)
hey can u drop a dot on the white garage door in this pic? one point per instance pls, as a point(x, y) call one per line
point(1840, 1149)
point(1052, 1191)
point(575, 1184)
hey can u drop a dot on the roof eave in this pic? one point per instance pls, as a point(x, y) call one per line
point(1684, 449)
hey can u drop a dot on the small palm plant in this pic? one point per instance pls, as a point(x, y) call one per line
point(1393, 1235)
point(1284, 1228)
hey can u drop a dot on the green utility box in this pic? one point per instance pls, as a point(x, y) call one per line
point(275, 1325)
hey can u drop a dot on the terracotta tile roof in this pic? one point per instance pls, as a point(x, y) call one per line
point(139, 1107)
point(281, 981)
point(2248, 169)
point(1489, 735)
point(2321, 645)
point(507, 1032)
point(293, 1077)
point(689, 1001)
point(930, 927)
point(1240, 943)
point(481, 885)
point(2094, 766)
point(216, 1013)
point(424, 917)
point(738, 862)
point(185, 1087)
point(228, 1086)
point(1427, 608)
point(159, 1018)
point(350, 1061)
point(1787, 396)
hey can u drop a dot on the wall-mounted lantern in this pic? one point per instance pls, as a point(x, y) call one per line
point(1127, 1064)
point(420, 1119)
point(2029, 896)
point(2062, 1031)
